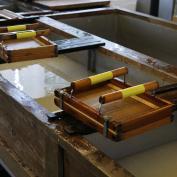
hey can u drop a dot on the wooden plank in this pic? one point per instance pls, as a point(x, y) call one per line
point(71, 4)
point(25, 130)
point(80, 156)
point(9, 160)
point(62, 28)
point(77, 44)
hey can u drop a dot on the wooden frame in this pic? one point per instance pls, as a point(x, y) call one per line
point(43, 48)
point(118, 129)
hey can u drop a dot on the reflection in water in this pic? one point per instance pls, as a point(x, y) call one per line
point(34, 80)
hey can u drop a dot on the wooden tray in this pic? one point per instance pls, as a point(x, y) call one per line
point(71, 4)
point(14, 50)
point(119, 119)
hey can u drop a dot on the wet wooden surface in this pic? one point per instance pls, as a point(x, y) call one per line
point(39, 78)
point(15, 50)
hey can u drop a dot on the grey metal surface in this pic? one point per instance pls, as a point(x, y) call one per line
point(166, 9)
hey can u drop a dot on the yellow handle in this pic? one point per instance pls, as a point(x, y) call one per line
point(101, 77)
point(26, 34)
point(16, 28)
point(132, 91)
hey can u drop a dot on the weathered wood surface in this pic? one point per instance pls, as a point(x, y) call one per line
point(83, 159)
point(23, 125)
point(15, 166)
point(71, 4)
point(36, 142)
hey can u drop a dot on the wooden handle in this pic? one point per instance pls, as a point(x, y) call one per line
point(131, 91)
point(23, 34)
point(19, 28)
point(96, 79)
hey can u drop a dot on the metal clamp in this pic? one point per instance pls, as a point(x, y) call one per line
point(71, 93)
point(106, 121)
point(106, 125)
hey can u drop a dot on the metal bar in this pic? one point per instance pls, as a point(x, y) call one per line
point(91, 65)
point(77, 44)
point(165, 89)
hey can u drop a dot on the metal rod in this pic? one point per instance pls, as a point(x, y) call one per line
point(165, 89)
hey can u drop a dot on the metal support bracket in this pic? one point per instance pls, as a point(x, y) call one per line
point(92, 60)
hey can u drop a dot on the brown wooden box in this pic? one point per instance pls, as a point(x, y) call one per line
point(15, 50)
point(129, 117)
